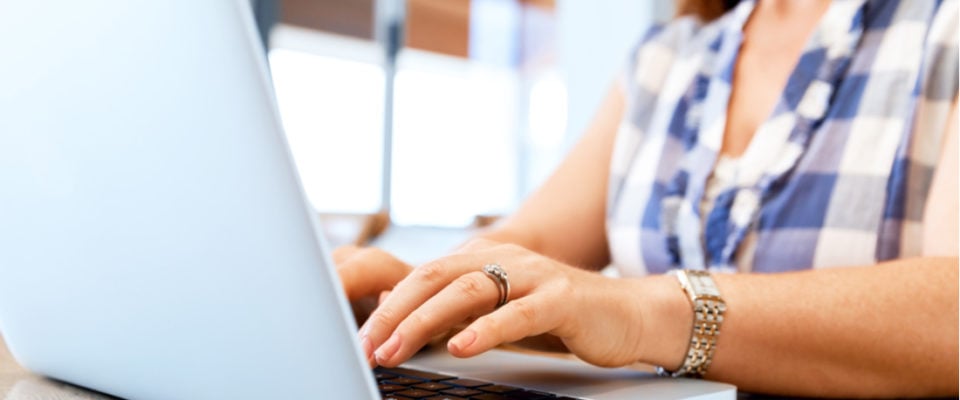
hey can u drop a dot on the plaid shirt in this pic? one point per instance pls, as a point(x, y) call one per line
point(838, 174)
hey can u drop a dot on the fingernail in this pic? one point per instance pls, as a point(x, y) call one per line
point(389, 349)
point(367, 346)
point(463, 340)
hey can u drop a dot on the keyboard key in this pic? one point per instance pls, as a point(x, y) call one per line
point(434, 386)
point(445, 397)
point(401, 380)
point(499, 389)
point(416, 393)
point(470, 383)
point(423, 375)
point(539, 393)
point(489, 396)
point(463, 392)
point(529, 395)
point(383, 376)
point(388, 388)
point(392, 397)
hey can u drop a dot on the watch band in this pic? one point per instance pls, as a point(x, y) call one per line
point(708, 309)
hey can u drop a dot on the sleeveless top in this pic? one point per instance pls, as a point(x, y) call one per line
point(837, 175)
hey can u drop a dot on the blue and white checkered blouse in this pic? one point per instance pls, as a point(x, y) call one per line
point(838, 175)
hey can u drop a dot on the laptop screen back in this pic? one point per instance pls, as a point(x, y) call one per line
point(154, 239)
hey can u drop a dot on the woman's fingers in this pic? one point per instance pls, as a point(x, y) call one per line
point(518, 319)
point(356, 266)
point(428, 280)
point(469, 295)
point(419, 286)
point(368, 271)
point(439, 295)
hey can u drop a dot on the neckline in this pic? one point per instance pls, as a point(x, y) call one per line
point(837, 15)
point(756, 154)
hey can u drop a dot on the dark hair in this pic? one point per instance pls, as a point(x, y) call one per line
point(706, 10)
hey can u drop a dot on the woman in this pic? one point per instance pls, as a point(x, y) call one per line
point(782, 138)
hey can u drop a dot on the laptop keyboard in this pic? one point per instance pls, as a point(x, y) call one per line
point(405, 384)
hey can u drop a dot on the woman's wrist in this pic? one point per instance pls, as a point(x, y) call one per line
point(667, 319)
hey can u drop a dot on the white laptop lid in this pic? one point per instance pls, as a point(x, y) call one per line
point(154, 240)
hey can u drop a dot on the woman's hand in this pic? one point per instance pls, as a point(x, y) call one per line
point(597, 318)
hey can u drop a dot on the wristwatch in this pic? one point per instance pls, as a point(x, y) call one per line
point(708, 309)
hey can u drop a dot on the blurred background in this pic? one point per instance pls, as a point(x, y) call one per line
point(438, 115)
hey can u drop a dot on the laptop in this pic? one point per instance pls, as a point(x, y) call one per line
point(155, 242)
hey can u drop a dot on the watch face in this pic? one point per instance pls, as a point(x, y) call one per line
point(702, 284)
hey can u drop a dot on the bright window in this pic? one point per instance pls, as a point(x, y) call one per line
point(333, 116)
point(455, 129)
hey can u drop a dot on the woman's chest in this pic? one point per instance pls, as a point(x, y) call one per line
point(837, 175)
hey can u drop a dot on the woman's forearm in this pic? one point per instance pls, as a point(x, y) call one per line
point(878, 331)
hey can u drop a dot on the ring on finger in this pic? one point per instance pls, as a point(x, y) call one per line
point(496, 273)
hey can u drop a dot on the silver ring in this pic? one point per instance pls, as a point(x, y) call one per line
point(499, 276)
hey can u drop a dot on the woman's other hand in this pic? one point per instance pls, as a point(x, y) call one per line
point(366, 273)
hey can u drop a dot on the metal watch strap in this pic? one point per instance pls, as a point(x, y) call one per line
point(708, 309)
